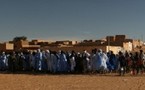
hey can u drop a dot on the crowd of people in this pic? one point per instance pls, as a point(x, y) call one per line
point(73, 62)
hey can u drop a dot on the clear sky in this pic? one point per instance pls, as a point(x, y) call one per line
point(71, 19)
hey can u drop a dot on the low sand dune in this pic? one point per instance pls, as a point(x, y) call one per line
point(71, 82)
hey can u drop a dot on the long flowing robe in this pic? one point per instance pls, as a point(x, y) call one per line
point(73, 63)
point(104, 61)
point(33, 61)
point(112, 62)
point(39, 59)
point(54, 63)
point(86, 61)
point(49, 61)
point(62, 62)
point(94, 62)
point(26, 63)
point(101, 61)
point(3, 61)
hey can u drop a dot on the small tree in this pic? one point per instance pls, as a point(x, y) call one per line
point(15, 39)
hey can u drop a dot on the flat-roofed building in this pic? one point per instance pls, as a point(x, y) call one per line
point(25, 45)
point(66, 42)
point(6, 47)
point(110, 38)
point(38, 41)
point(120, 38)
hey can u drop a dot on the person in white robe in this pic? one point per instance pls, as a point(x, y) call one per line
point(86, 61)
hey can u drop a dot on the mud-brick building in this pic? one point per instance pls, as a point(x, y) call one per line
point(6, 47)
point(24, 44)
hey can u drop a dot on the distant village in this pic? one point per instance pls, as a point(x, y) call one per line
point(109, 43)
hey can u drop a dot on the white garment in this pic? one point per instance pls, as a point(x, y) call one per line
point(73, 63)
point(104, 60)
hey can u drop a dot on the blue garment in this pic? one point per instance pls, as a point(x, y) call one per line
point(62, 63)
point(109, 66)
point(102, 59)
point(112, 59)
point(38, 58)
point(3, 59)
point(54, 63)
point(44, 62)
point(26, 62)
point(99, 61)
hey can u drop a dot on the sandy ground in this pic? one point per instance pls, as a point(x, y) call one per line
point(71, 82)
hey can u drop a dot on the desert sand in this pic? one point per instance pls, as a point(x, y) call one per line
point(71, 82)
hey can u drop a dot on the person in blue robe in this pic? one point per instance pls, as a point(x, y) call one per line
point(62, 62)
point(49, 60)
point(102, 61)
point(99, 61)
point(3, 61)
point(26, 60)
point(44, 61)
point(54, 58)
point(39, 58)
point(93, 61)
point(112, 59)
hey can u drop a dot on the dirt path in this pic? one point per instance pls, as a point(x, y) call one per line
point(70, 82)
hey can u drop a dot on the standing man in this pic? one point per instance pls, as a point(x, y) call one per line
point(3, 59)
point(38, 58)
